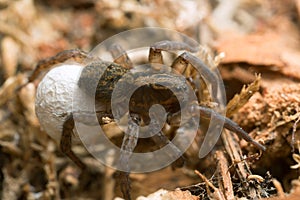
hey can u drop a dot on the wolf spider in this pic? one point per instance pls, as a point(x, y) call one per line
point(139, 111)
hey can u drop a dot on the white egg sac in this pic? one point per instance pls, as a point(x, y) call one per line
point(54, 97)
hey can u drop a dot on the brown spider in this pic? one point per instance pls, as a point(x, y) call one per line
point(138, 106)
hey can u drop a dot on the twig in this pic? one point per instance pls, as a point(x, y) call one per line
point(224, 180)
point(233, 149)
point(216, 194)
point(293, 133)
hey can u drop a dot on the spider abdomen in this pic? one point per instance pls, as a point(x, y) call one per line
point(99, 78)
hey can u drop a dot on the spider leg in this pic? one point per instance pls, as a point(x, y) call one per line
point(230, 125)
point(155, 55)
point(66, 142)
point(182, 62)
point(120, 56)
point(129, 143)
point(161, 139)
point(74, 54)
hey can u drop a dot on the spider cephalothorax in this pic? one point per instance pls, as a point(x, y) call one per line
point(153, 87)
point(99, 79)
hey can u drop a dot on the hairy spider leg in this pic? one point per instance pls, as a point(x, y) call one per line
point(66, 142)
point(181, 63)
point(161, 140)
point(74, 54)
point(155, 55)
point(128, 145)
point(120, 56)
point(230, 125)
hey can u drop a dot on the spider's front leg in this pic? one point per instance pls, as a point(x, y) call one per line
point(230, 125)
point(155, 55)
point(181, 62)
point(129, 143)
